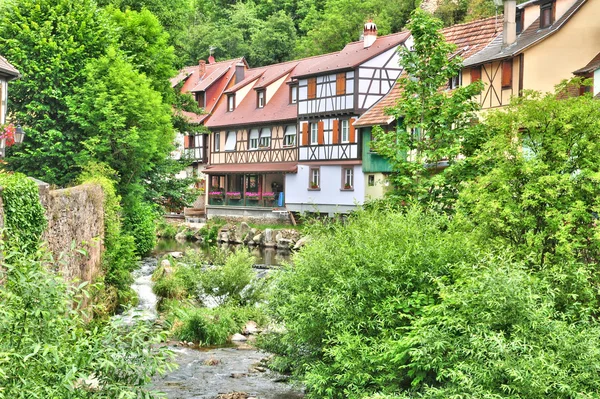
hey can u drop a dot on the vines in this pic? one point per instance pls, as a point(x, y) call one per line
point(25, 220)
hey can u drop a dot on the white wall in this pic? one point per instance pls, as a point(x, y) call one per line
point(297, 192)
point(596, 82)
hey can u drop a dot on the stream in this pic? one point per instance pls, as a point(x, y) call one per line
point(205, 373)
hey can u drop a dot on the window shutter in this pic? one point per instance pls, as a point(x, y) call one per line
point(475, 74)
point(186, 141)
point(507, 73)
point(305, 134)
point(352, 130)
point(340, 84)
point(336, 132)
point(312, 88)
point(321, 133)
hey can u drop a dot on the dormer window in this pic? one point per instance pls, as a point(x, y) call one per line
point(520, 20)
point(201, 99)
point(455, 81)
point(230, 102)
point(546, 14)
point(260, 99)
point(293, 94)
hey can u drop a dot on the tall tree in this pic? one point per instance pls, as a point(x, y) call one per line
point(274, 41)
point(432, 123)
point(50, 42)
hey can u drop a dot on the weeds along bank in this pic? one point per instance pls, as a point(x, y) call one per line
point(49, 346)
point(207, 301)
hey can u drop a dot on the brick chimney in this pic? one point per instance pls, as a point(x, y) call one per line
point(369, 34)
point(239, 72)
point(211, 59)
point(509, 33)
point(202, 68)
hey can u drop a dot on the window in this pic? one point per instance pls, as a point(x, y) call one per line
point(340, 84)
point(230, 142)
point(260, 99)
point(520, 20)
point(315, 179)
point(345, 130)
point(289, 139)
point(293, 94)
point(312, 88)
point(371, 181)
point(200, 98)
point(265, 138)
point(253, 145)
point(546, 14)
point(455, 81)
point(230, 102)
point(475, 74)
point(314, 133)
point(507, 66)
point(347, 178)
point(217, 143)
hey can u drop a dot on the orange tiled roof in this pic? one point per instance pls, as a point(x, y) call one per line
point(469, 38)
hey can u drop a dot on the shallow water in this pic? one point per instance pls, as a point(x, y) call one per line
point(142, 285)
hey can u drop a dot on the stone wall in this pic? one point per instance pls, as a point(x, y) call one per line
point(75, 229)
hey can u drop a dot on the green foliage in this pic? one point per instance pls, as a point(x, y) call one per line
point(273, 42)
point(119, 258)
point(433, 125)
point(210, 231)
point(49, 42)
point(165, 229)
point(234, 281)
point(139, 220)
point(48, 350)
point(357, 287)
point(24, 216)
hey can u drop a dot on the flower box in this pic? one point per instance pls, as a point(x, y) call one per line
point(215, 195)
point(234, 195)
point(252, 196)
point(268, 196)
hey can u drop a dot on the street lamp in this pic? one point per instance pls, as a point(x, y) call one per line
point(19, 135)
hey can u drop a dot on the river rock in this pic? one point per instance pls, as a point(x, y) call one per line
point(224, 237)
point(285, 243)
point(250, 328)
point(238, 338)
point(301, 242)
point(268, 239)
point(176, 255)
point(244, 229)
point(278, 236)
point(165, 263)
point(181, 237)
point(257, 239)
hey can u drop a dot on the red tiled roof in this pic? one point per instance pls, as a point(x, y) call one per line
point(469, 37)
point(194, 118)
point(7, 69)
point(275, 167)
point(352, 55)
point(590, 67)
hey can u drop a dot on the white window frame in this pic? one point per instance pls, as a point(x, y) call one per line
point(348, 178)
point(230, 102)
point(314, 176)
point(217, 142)
point(253, 140)
point(345, 130)
point(289, 138)
point(314, 133)
point(231, 141)
point(265, 138)
point(260, 102)
point(294, 94)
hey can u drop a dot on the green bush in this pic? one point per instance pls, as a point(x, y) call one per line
point(139, 222)
point(234, 281)
point(166, 230)
point(48, 350)
point(357, 286)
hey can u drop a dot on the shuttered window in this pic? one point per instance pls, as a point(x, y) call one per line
point(312, 88)
point(230, 142)
point(507, 72)
point(475, 74)
point(289, 139)
point(340, 84)
point(253, 139)
point(265, 138)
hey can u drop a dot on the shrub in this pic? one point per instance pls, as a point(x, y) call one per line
point(47, 348)
point(139, 222)
point(166, 230)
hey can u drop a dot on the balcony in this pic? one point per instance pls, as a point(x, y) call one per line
point(197, 154)
point(247, 202)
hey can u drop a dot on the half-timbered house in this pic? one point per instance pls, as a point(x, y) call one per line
point(206, 82)
point(469, 38)
point(253, 143)
point(542, 43)
point(332, 94)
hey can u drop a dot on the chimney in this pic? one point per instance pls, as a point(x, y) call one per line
point(509, 33)
point(211, 59)
point(369, 34)
point(202, 68)
point(239, 72)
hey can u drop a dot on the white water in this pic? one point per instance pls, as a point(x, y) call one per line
point(142, 285)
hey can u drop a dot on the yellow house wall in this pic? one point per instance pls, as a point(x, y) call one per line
point(379, 189)
point(567, 50)
point(494, 95)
